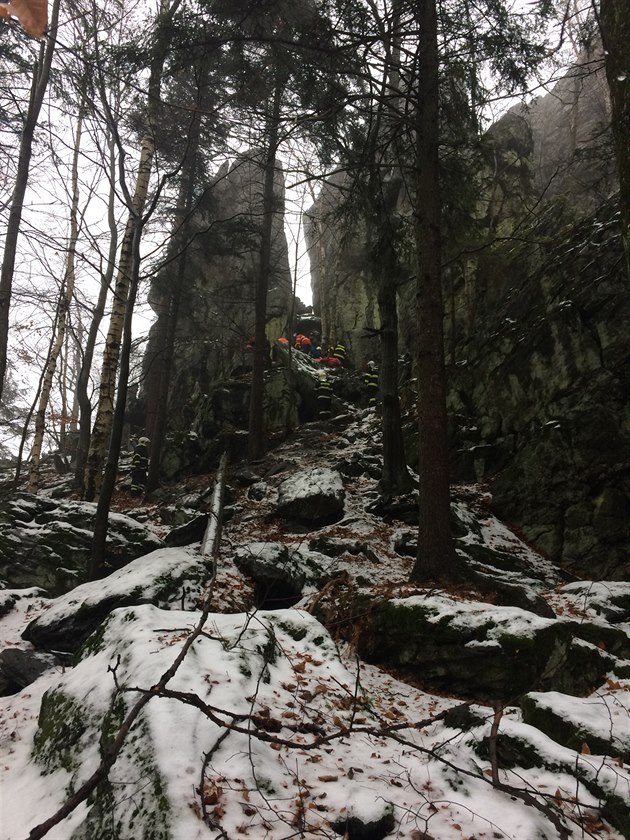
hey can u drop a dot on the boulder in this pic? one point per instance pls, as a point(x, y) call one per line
point(597, 600)
point(189, 532)
point(601, 722)
point(280, 572)
point(313, 497)
point(478, 650)
point(595, 776)
point(19, 668)
point(169, 577)
point(250, 666)
point(354, 828)
point(48, 543)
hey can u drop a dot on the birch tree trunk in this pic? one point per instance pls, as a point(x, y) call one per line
point(101, 430)
point(41, 75)
point(107, 276)
point(59, 332)
point(96, 562)
point(103, 421)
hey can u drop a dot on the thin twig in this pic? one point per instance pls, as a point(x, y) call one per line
point(111, 753)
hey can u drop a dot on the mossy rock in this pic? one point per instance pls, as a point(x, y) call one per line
point(512, 752)
point(515, 750)
point(48, 543)
point(608, 639)
point(559, 726)
point(114, 814)
point(62, 724)
point(478, 651)
point(167, 577)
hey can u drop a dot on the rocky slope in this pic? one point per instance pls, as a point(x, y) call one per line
point(537, 319)
point(317, 693)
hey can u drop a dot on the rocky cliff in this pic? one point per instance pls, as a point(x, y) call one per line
point(215, 309)
point(539, 393)
point(537, 322)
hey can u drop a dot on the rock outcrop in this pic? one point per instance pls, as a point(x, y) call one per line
point(213, 297)
point(47, 543)
point(540, 395)
point(167, 577)
point(211, 711)
point(537, 322)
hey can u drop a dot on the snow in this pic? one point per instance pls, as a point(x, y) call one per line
point(313, 482)
point(592, 600)
point(28, 604)
point(498, 622)
point(290, 731)
point(258, 789)
point(145, 575)
point(605, 715)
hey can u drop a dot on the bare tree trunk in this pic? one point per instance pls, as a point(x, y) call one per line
point(27, 423)
point(105, 410)
point(128, 274)
point(395, 479)
point(436, 557)
point(107, 276)
point(167, 321)
point(59, 331)
point(96, 562)
point(41, 75)
point(257, 444)
point(103, 421)
point(163, 363)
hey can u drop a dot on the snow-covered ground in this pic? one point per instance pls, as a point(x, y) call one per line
point(273, 728)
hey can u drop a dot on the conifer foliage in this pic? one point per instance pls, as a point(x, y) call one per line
point(391, 94)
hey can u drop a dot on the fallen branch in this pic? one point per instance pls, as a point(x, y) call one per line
point(111, 753)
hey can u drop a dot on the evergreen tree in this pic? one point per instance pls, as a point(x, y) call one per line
point(430, 105)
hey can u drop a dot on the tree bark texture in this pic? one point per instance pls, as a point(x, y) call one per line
point(159, 376)
point(257, 444)
point(436, 558)
point(110, 474)
point(107, 276)
point(105, 410)
point(395, 479)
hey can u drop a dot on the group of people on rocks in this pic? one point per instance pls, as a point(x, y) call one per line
point(334, 356)
point(324, 389)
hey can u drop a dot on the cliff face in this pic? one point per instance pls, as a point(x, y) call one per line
point(215, 314)
point(539, 393)
point(343, 297)
point(537, 326)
